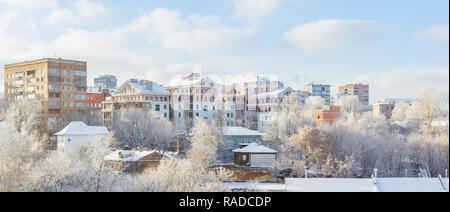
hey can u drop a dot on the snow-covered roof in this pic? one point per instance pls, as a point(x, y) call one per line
point(256, 187)
point(132, 155)
point(329, 185)
point(402, 124)
point(93, 90)
point(194, 79)
point(396, 101)
point(80, 128)
point(156, 89)
point(255, 148)
point(365, 185)
point(144, 89)
point(277, 92)
point(410, 185)
point(240, 131)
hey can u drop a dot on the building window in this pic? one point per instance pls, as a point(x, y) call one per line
point(157, 107)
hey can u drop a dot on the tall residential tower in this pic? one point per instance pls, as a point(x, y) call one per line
point(59, 83)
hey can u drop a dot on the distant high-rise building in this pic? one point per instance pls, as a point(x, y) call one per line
point(319, 90)
point(106, 81)
point(359, 90)
point(59, 83)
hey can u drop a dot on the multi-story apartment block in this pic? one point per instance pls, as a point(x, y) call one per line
point(233, 105)
point(264, 100)
point(138, 94)
point(359, 90)
point(60, 85)
point(194, 96)
point(319, 90)
point(386, 106)
point(105, 81)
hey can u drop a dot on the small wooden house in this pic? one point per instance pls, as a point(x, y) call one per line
point(255, 155)
point(132, 162)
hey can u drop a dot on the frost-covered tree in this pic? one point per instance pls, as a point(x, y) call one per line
point(350, 104)
point(321, 153)
point(193, 174)
point(179, 176)
point(400, 112)
point(25, 117)
point(140, 129)
point(430, 105)
point(26, 167)
point(204, 143)
point(314, 103)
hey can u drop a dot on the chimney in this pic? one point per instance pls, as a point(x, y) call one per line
point(120, 154)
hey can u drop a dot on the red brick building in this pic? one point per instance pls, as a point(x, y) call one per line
point(328, 115)
point(94, 98)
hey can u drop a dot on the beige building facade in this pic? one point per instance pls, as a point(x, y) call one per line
point(60, 84)
point(359, 90)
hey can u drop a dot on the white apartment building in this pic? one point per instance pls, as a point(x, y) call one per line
point(139, 94)
point(193, 96)
point(264, 99)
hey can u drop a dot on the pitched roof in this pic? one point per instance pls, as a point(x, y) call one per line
point(240, 131)
point(329, 185)
point(396, 101)
point(132, 155)
point(80, 128)
point(277, 92)
point(255, 148)
point(93, 90)
point(155, 88)
point(193, 79)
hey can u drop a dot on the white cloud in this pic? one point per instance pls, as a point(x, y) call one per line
point(195, 34)
point(254, 9)
point(438, 33)
point(325, 35)
point(82, 10)
point(404, 83)
point(30, 4)
point(142, 46)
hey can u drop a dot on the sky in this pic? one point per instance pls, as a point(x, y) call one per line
point(398, 47)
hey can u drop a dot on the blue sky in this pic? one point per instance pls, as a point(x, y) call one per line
point(398, 47)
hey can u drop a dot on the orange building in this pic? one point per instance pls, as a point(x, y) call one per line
point(328, 115)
